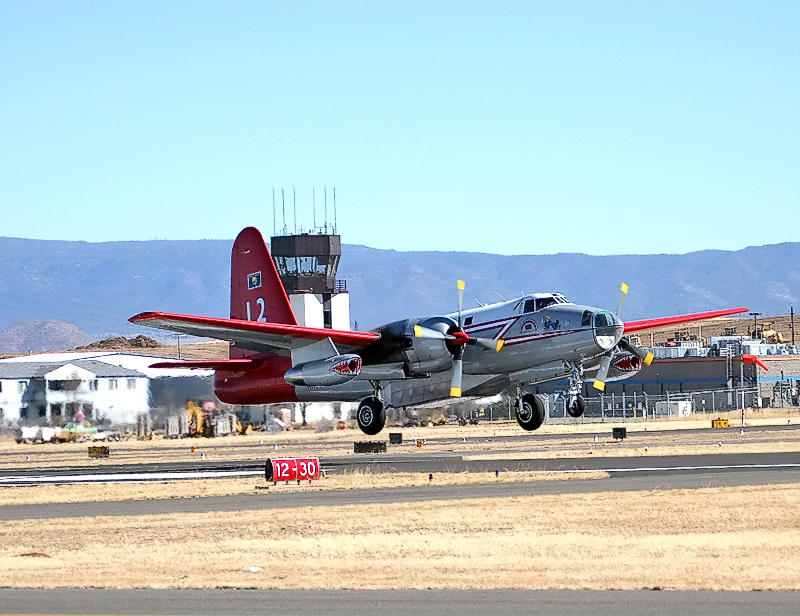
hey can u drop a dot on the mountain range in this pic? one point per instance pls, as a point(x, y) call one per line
point(97, 286)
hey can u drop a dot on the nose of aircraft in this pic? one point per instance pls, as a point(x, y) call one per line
point(608, 329)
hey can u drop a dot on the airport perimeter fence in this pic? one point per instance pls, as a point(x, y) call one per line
point(641, 406)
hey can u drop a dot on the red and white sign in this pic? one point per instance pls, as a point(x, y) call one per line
point(291, 469)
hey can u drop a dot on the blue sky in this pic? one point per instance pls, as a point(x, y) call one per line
point(513, 128)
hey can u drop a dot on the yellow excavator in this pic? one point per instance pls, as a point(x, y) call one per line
point(197, 423)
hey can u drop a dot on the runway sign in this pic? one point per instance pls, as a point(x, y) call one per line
point(720, 423)
point(291, 469)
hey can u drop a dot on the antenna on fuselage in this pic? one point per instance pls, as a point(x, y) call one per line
point(479, 302)
point(500, 296)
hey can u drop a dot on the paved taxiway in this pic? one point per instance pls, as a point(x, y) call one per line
point(395, 602)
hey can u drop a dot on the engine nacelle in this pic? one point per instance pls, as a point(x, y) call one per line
point(430, 354)
point(623, 366)
point(335, 370)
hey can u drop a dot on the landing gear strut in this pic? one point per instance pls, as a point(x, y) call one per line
point(371, 415)
point(576, 405)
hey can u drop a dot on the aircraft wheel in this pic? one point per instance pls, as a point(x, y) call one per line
point(531, 415)
point(577, 407)
point(371, 416)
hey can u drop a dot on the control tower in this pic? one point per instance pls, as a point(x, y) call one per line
point(307, 266)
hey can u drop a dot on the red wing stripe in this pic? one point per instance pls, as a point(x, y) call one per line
point(275, 329)
point(635, 326)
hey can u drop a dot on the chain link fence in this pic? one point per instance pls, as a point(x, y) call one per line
point(641, 406)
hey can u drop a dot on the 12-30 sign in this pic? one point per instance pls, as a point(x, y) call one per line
point(290, 469)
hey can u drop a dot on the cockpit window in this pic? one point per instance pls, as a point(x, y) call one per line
point(529, 306)
point(586, 318)
point(544, 302)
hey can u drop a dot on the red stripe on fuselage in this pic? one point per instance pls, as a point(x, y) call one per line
point(523, 339)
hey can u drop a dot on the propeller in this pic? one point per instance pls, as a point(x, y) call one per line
point(457, 339)
point(624, 344)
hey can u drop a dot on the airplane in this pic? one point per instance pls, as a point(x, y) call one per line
point(505, 347)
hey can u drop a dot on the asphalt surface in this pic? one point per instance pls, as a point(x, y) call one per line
point(423, 463)
point(396, 602)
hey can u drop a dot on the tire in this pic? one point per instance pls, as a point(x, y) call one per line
point(531, 416)
point(371, 416)
point(577, 409)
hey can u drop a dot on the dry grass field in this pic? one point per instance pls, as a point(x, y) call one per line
point(711, 538)
point(733, 539)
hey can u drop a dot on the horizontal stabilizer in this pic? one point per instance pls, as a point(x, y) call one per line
point(636, 326)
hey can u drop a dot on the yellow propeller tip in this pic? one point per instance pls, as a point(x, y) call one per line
point(624, 288)
point(418, 331)
point(648, 359)
point(455, 392)
point(461, 285)
point(500, 344)
point(599, 385)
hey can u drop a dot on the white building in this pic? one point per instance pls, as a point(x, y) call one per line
point(53, 393)
point(50, 388)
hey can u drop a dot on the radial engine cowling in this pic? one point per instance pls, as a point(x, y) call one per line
point(430, 354)
point(334, 370)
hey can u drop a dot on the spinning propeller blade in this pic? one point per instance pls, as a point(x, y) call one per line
point(623, 291)
point(624, 344)
point(456, 340)
point(602, 373)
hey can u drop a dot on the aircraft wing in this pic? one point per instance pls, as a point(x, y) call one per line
point(277, 338)
point(636, 326)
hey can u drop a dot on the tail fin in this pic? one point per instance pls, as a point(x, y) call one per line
point(257, 293)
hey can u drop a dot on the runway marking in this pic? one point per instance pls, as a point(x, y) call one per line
point(124, 477)
point(643, 469)
point(173, 476)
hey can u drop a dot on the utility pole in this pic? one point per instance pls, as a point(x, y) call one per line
point(741, 384)
point(791, 322)
point(755, 316)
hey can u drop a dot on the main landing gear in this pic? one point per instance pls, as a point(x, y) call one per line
point(371, 415)
point(530, 411)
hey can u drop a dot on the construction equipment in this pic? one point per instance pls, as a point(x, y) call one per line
point(197, 423)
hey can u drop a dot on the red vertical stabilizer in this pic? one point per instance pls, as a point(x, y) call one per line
point(257, 294)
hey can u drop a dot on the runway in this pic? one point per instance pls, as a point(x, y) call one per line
point(395, 602)
point(401, 463)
